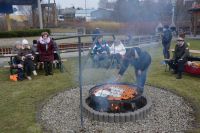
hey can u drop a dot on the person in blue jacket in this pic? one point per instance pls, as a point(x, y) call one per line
point(166, 41)
point(100, 51)
point(96, 33)
point(141, 61)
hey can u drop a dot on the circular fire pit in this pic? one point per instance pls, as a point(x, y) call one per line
point(116, 102)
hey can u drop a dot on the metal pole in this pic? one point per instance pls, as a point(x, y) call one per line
point(40, 14)
point(173, 15)
point(48, 17)
point(80, 80)
point(85, 12)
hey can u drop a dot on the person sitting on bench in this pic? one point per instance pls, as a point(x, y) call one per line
point(15, 62)
point(27, 57)
point(180, 57)
point(117, 51)
point(100, 51)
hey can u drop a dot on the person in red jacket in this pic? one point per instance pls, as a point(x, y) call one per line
point(46, 52)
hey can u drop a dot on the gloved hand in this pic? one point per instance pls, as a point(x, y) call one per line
point(23, 58)
point(32, 57)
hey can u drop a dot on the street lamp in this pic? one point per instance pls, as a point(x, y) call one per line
point(173, 27)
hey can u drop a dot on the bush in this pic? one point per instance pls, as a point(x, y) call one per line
point(23, 33)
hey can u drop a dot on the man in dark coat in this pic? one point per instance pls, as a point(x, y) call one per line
point(166, 41)
point(180, 57)
point(140, 60)
point(46, 51)
point(96, 33)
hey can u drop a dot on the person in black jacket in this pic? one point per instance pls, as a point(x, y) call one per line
point(141, 61)
point(181, 54)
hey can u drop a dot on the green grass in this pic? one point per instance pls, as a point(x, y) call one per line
point(19, 101)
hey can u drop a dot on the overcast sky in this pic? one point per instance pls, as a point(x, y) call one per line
point(78, 3)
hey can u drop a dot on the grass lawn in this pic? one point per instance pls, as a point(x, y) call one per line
point(19, 101)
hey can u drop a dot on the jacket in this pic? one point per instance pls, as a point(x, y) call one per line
point(114, 49)
point(139, 59)
point(45, 49)
point(181, 52)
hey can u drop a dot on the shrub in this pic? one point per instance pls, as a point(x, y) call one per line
point(23, 33)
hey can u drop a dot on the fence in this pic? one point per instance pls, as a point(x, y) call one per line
point(73, 47)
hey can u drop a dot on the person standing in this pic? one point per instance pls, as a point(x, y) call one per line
point(141, 61)
point(166, 41)
point(46, 52)
point(180, 57)
point(96, 33)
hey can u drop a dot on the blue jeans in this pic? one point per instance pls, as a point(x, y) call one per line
point(166, 52)
point(141, 79)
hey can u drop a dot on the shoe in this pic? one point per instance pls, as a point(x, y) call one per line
point(29, 78)
point(34, 73)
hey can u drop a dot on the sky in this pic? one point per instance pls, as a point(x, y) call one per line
point(78, 3)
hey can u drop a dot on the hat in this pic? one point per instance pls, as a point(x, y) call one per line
point(180, 39)
point(24, 42)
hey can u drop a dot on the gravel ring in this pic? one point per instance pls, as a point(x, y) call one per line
point(169, 113)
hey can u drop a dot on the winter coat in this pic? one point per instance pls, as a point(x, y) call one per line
point(45, 49)
point(167, 37)
point(118, 49)
point(27, 53)
point(181, 52)
point(142, 61)
point(101, 48)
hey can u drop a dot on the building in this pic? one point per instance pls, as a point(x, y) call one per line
point(102, 14)
point(84, 14)
point(68, 13)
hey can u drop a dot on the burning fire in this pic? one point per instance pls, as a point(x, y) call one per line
point(116, 92)
point(115, 107)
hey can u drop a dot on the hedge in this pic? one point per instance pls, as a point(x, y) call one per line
point(23, 33)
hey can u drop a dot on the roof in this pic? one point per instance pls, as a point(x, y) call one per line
point(83, 11)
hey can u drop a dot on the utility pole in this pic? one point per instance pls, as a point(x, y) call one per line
point(40, 14)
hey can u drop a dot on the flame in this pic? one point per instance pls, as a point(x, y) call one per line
point(115, 107)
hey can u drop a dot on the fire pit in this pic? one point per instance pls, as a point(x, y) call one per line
point(116, 99)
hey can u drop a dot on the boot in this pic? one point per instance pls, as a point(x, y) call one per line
point(179, 76)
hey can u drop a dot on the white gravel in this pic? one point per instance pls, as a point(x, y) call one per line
point(170, 113)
